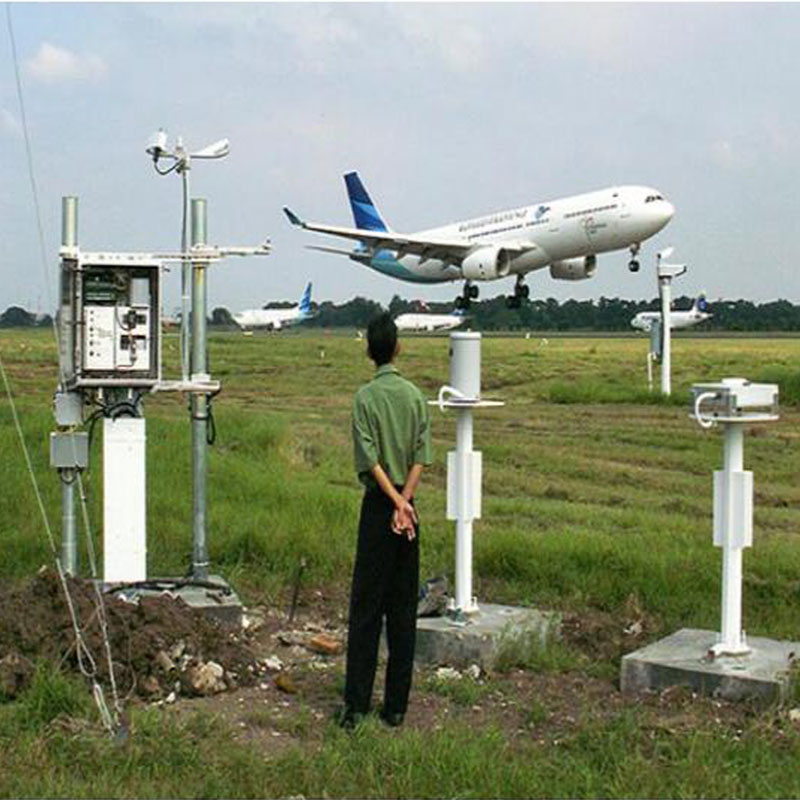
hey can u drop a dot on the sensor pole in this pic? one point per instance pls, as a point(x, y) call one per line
point(464, 465)
point(199, 402)
point(733, 403)
point(183, 167)
point(733, 638)
point(69, 537)
point(665, 290)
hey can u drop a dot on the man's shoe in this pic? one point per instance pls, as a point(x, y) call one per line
point(346, 718)
point(392, 719)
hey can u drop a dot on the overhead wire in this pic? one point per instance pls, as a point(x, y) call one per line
point(86, 662)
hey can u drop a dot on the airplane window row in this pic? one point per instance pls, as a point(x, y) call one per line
point(651, 198)
point(590, 211)
point(491, 233)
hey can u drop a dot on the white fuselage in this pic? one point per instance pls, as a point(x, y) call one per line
point(270, 319)
point(428, 322)
point(644, 320)
point(568, 228)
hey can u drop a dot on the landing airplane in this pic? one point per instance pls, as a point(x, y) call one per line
point(273, 319)
point(430, 322)
point(565, 235)
point(698, 313)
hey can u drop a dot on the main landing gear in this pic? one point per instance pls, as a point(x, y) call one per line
point(470, 293)
point(633, 264)
point(521, 292)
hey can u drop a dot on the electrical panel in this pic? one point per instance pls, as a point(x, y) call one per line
point(110, 320)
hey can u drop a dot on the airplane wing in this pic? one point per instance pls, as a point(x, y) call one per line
point(454, 249)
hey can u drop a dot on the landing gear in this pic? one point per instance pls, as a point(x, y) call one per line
point(633, 264)
point(521, 292)
point(470, 293)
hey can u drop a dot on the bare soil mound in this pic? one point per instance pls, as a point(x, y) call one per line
point(156, 644)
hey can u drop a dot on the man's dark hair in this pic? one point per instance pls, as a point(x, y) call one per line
point(381, 338)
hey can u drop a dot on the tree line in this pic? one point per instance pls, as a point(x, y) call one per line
point(606, 314)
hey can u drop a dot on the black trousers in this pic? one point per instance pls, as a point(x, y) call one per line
point(385, 584)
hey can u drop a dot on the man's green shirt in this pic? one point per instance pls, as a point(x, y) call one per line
point(391, 427)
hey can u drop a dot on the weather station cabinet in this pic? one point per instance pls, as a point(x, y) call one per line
point(109, 320)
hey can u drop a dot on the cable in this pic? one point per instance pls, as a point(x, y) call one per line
point(165, 171)
point(211, 424)
point(112, 723)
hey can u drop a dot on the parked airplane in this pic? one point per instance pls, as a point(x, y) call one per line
point(698, 313)
point(430, 322)
point(565, 235)
point(273, 319)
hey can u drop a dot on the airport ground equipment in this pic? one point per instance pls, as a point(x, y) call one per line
point(666, 273)
point(109, 325)
point(723, 663)
point(654, 351)
point(469, 634)
point(464, 465)
point(733, 403)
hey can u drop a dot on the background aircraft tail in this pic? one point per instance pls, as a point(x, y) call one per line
point(305, 300)
point(700, 303)
point(365, 214)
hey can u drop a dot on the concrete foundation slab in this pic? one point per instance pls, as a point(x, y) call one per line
point(213, 596)
point(765, 674)
point(484, 635)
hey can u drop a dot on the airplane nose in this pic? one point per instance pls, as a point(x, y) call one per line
point(668, 211)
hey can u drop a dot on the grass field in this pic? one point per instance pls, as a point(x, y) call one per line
point(597, 495)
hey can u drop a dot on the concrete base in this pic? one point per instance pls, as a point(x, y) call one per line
point(484, 636)
point(683, 659)
point(214, 596)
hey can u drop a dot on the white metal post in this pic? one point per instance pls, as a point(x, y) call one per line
point(464, 465)
point(732, 638)
point(464, 600)
point(733, 403)
point(665, 289)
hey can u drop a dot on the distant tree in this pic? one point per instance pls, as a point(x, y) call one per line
point(221, 318)
point(16, 317)
point(399, 306)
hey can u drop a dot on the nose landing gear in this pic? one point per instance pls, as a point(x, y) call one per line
point(633, 264)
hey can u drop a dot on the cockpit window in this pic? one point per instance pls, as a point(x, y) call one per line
point(651, 198)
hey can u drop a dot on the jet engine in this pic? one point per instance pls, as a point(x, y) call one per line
point(486, 264)
point(574, 269)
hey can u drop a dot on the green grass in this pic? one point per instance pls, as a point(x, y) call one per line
point(197, 759)
point(594, 490)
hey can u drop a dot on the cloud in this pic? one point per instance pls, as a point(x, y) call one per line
point(444, 34)
point(9, 123)
point(53, 64)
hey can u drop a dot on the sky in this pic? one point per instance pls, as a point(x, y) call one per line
point(448, 111)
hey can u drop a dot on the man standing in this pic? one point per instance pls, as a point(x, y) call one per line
point(392, 443)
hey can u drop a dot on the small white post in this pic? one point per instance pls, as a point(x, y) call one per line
point(732, 637)
point(464, 601)
point(665, 273)
point(734, 403)
point(665, 289)
point(464, 465)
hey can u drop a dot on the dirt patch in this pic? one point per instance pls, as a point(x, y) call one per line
point(154, 643)
point(607, 637)
point(287, 693)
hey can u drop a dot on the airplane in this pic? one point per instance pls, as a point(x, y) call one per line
point(273, 319)
point(565, 235)
point(698, 313)
point(430, 322)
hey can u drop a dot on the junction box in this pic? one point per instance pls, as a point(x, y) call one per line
point(109, 320)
